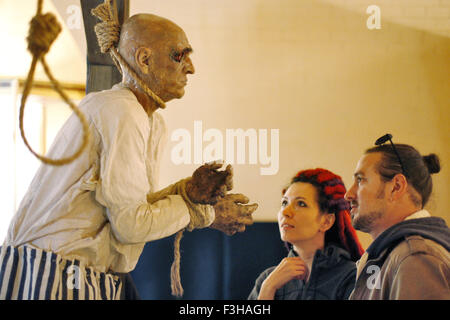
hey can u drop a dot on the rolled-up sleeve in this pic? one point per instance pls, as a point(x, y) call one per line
point(123, 183)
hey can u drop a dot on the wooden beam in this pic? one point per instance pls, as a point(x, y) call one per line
point(101, 72)
point(74, 91)
point(45, 88)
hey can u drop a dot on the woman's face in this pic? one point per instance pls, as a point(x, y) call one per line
point(299, 218)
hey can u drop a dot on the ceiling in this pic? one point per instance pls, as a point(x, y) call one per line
point(67, 55)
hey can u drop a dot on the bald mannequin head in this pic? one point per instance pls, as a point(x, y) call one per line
point(158, 50)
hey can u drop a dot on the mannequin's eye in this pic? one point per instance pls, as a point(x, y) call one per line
point(177, 56)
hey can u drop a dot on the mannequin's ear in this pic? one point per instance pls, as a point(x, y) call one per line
point(142, 58)
point(327, 221)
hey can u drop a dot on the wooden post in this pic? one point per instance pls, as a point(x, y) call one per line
point(101, 72)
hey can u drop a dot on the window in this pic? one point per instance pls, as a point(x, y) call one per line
point(45, 113)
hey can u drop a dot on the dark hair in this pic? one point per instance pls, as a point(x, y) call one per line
point(419, 168)
point(330, 197)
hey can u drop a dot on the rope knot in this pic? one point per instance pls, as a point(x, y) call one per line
point(108, 34)
point(44, 29)
point(107, 31)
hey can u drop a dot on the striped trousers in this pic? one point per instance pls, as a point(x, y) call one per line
point(28, 273)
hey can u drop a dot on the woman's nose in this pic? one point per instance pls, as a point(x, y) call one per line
point(287, 211)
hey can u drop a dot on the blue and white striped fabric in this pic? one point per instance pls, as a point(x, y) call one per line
point(32, 274)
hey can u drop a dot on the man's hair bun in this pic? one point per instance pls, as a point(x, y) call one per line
point(432, 162)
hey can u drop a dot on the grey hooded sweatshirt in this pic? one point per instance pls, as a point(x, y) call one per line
point(408, 261)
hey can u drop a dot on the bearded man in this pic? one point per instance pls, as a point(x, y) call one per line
point(409, 257)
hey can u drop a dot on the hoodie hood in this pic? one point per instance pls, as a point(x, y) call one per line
point(432, 228)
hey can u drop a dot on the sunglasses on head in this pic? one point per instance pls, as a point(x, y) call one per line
point(381, 140)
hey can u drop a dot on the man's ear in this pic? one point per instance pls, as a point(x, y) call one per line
point(327, 221)
point(399, 186)
point(142, 58)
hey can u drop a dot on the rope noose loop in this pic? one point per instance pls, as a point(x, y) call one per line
point(44, 29)
point(108, 35)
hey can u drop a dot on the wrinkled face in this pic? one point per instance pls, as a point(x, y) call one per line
point(158, 50)
point(299, 218)
point(171, 64)
point(367, 194)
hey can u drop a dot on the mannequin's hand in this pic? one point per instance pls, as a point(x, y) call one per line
point(208, 184)
point(232, 215)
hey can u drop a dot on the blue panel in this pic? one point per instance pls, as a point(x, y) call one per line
point(213, 265)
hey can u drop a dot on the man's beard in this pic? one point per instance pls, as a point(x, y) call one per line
point(366, 222)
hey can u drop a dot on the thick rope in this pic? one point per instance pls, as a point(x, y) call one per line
point(199, 218)
point(198, 221)
point(108, 35)
point(175, 279)
point(44, 29)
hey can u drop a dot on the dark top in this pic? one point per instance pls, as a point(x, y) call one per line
point(332, 277)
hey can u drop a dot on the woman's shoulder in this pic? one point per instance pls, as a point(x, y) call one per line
point(336, 258)
point(336, 276)
point(338, 255)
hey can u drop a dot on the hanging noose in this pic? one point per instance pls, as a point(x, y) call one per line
point(44, 29)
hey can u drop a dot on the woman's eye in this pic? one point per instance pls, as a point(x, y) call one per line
point(301, 204)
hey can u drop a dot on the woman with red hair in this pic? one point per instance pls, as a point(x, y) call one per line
point(315, 224)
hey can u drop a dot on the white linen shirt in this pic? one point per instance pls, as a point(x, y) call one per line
point(95, 209)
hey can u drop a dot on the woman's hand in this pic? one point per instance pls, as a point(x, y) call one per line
point(288, 269)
